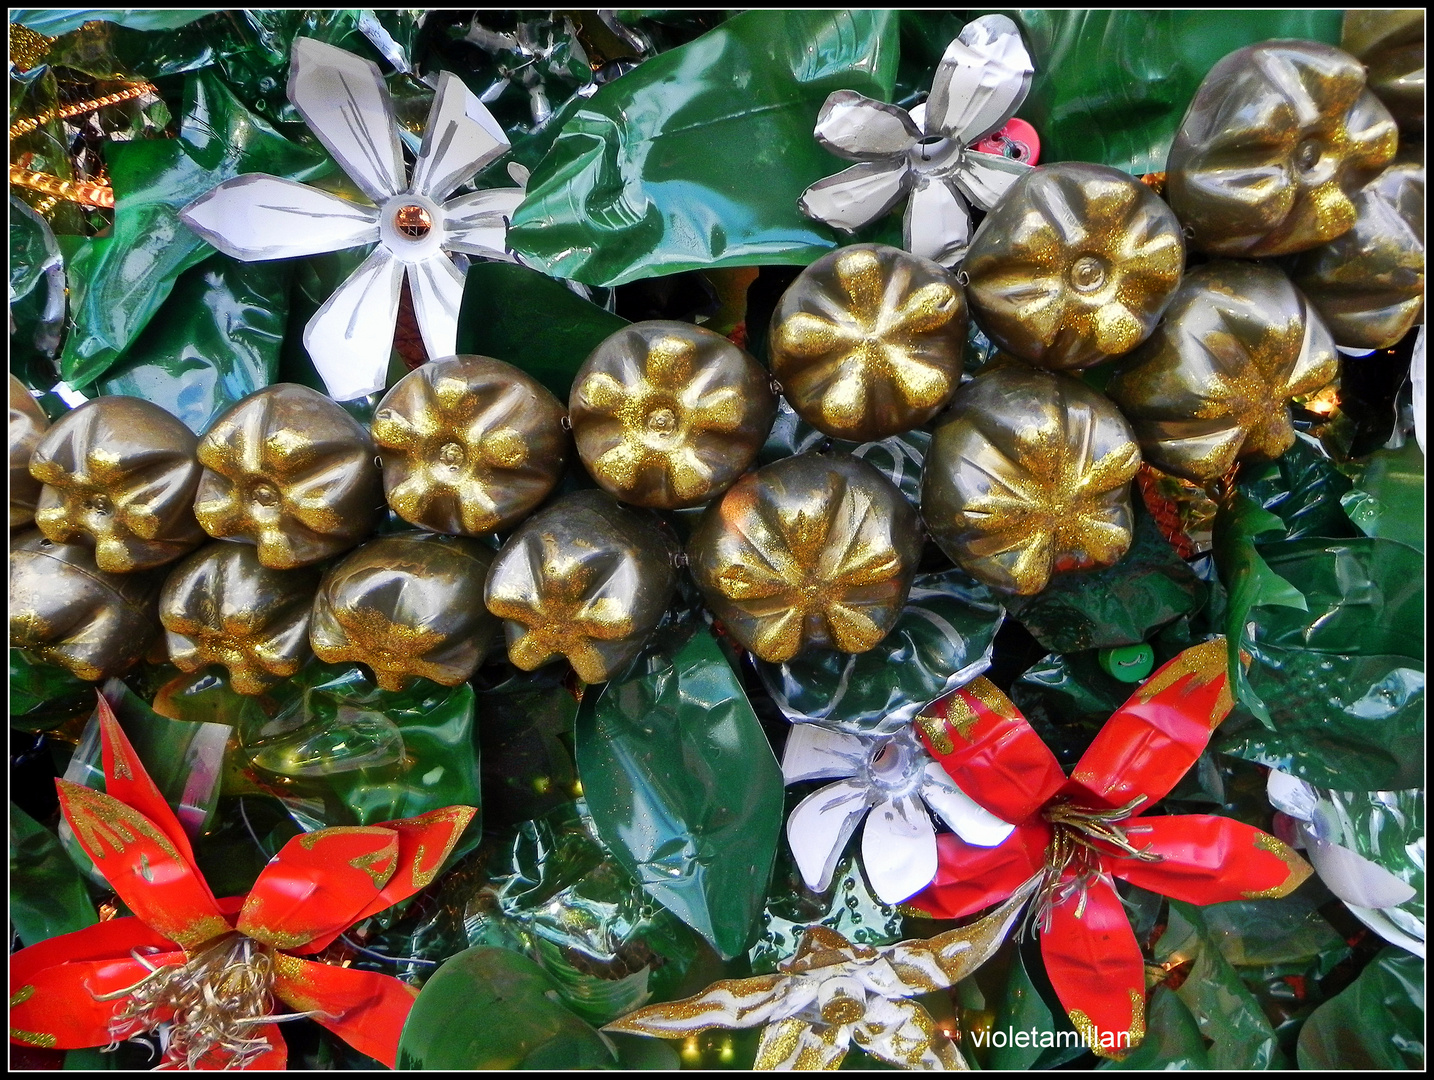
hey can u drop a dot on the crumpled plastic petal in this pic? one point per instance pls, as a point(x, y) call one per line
point(814, 752)
point(436, 285)
point(981, 80)
point(1209, 860)
point(727, 1003)
point(343, 99)
point(856, 196)
point(967, 818)
point(819, 827)
point(1291, 795)
point(351, 336)
point(860, 128)
point(985, 178)
point(902, 1033)
point(898, 849)
point(818, 1046)
point(364, 1008)
point(257, 216)
point(969, 878)
point(461, 138)
point(477, 224)
point(1358, 881)
point(937, 223)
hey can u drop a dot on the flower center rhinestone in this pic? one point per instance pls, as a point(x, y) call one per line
point(1088, 273)
point(413, 221)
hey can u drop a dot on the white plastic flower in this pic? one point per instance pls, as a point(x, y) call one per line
point(889, 776)
point(981, 81)
point(343, 99)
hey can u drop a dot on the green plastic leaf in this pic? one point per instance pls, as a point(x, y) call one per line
point(47, 894)
point(215, 340)
point(52, 22)
point(1023, 1008)
point(848, 907)
point(1303, 489)
point(37, 297)
point(1112, 86)
point(118, 282)
point(519, 316)
point(1172, 1038)
point(942, 640)
point(696, 159)
point(1377, 1023)
point(1389, 500)
point(1067, 699)
point(43, 696)
point(489, 1008)
point(1119, 605)
point(684, 789)
point(1386, 827)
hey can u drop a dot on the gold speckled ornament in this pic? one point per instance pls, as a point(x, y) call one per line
point(667, 415)
point(1028, 475)
point(288, 470)
point(1390, 43)
point(27, 423)
point(867, 342)
point(1368, 285)
point(1274, 145)
point(408, 605)
point(67, 611)
point(119, 473)
point(585, 578)
point(220, 606)
point(470, 445)
point(813, 550)
point(1213, 383)
point(1074, 265)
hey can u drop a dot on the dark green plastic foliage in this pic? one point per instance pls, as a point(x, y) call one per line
point(1303, 489)
point(941, 641)
point(37, 297)
point(43, 696)
point(1067, 699)
point(118, 282)
point(899, 458)
point(696, 158)
point(1389, 498)
point(490, 1008)
point(214, 341)
point(1172, 1037)
point(529, 320)
point(1377, 1023)
point(1120, 605)
point(848, 907)
point(47, 894)
point(52, 22)
point(683, 787)
point(1022, 1007)
point(526, 738)
point(1112, 86)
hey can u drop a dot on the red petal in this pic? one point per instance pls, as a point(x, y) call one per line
point(143, 865)
point(1095, 967)
point(1151, 741)
point(55, 1007)
point(317, 884)
point(1209, 860)
point(276, 1057)
point(365, 1009)
point(990, 750)
point(969, 878)
point(109, 940)
point(423, 843)
point(127, 781)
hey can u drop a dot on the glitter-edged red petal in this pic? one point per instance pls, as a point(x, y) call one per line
point(1209, 860)
point(317, 884)
point(1151, 741)
point(1095, 967)
point(423, 844)
point(969, 878)
point(364, 1008)
point(985, 745)
point(56, 1006)
point(143, 865)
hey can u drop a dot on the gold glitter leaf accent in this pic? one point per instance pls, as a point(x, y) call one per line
point(1299, 870)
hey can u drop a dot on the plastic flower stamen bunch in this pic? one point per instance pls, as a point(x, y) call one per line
point(416, 225)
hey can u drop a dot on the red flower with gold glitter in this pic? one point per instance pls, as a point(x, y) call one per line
point(1081, 833)
point(220, 973)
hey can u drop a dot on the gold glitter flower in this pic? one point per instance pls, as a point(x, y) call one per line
point(1213, 384)
point(1029, 474)
point(473, 445)
point(667, 415)
point(27, 423)
point(867, 342)
point(1276, 141)
point(586, 579)
point(1075, 264)
point(810, 550)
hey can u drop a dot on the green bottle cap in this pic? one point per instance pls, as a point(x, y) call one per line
point(1129, 663)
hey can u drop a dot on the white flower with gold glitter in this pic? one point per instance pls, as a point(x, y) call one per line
point(886, 779)
point(416, 225)
point(981, 81)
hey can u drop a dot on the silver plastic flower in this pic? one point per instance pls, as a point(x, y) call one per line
point(890, 776)
point(256, 216)
point(981, 81)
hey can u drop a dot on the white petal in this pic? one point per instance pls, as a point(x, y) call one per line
point(857, 127)
point(898, 849)
point(1292, 795)
point(857, 196)
point(985, 178)
point(460, 139)
point(814, 752)
point(967, 818)
point(257, 216)
point(981, 81)
point(819, 827)
point(351, 336)
point(1353, 878)
point(343, 99)
point(1382, 923)
point(477, 224)
point(437, 288)
point(937, 225)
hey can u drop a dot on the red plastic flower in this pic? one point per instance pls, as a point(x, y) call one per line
point(214, 969)
point(1081, 833)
